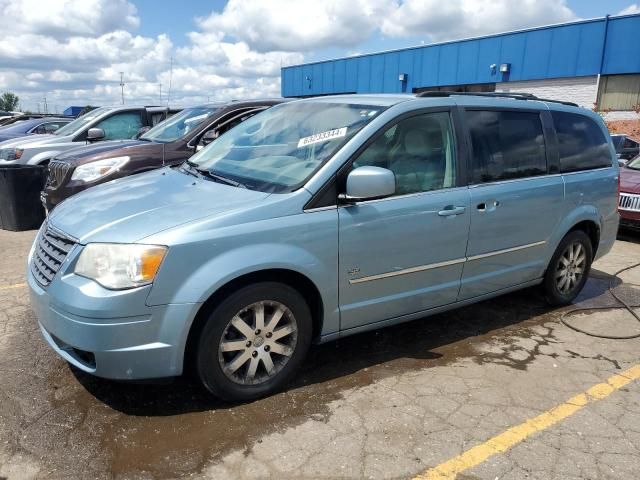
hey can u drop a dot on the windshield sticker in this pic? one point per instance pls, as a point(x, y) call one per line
point(322, 137)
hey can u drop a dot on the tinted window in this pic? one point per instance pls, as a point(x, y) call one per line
point(506, 145)
point(419, 151)
point(581, 143)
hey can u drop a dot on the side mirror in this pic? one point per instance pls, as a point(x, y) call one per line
point(141, 132)
point(95, 134)
point(369, 183)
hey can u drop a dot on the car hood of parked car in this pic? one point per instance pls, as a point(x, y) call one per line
point(109, 149)
point(630, 180)
point(130, 209)
point(27, 141)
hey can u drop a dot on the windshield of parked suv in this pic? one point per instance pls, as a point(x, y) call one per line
point(635, 163)
point(178, 125)
point(80, 122)
point(279, 149)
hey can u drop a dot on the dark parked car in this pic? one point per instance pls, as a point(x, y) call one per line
point(168, 143)
point(626, 147)
point(31, 126)
point(629, 206)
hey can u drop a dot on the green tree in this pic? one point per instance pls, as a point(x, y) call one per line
point(9, 101)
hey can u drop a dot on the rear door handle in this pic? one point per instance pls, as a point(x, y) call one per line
point(451, 211)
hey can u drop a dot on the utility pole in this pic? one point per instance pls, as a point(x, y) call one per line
point(122, 87)
point(170, 79)
point(161, 93)
point(46, 110)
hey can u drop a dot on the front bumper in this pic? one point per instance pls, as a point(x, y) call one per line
point(111, 334)
point(629, 219)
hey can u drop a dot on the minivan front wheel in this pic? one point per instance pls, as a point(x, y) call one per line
point(254, 341)
point(569, 268)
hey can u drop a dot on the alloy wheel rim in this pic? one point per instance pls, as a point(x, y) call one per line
point(257, 343)
point(570, 269)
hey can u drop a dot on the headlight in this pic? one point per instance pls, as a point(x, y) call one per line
point(101, 168)
point(118, 266)
point(10, 154)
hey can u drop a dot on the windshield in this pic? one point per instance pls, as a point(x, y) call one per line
point(279, 149)
point(178, 125)
point(80, 122)
point(635, 163)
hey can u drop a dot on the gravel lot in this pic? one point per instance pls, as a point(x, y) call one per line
point(386, 404)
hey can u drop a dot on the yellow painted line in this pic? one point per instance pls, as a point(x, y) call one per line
point(9, 287)
point(514, 435)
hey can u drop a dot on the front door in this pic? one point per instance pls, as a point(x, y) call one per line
point(404, 254)
point(515, 204)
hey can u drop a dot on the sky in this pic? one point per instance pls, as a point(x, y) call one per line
point(71, 52)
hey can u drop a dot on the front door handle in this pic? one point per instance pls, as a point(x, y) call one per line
point(451, 211)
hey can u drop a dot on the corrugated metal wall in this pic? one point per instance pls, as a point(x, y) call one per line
point(568, 50)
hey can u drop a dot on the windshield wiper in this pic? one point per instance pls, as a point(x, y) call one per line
point(190, 169)
point(220, 178)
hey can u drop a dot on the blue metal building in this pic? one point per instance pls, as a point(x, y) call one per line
point(607, 46)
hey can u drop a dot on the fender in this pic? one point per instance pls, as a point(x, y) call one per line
point(207, 278)
point(579, 214)
point(38, 158)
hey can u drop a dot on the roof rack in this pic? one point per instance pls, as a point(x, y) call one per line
point(514, 95)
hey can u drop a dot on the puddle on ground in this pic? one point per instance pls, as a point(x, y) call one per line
point(172, 429)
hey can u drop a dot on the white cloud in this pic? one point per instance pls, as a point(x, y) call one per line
point(633, 8)
point(446, 20)
point(73, 51)
point(299, 25)
point(62, 18)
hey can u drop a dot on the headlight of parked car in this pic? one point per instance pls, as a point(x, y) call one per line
point(11, 154)
point(119, 266)
point(96, 170)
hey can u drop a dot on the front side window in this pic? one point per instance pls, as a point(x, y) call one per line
point(279, 149)
point(420, 151)
point(79, 123)
point(179, 125)
point(121, 125)
point(581, 143)
point(506, 145)
point(52, 126)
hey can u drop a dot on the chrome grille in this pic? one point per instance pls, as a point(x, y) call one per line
point(51, 249)
point(57, 173)
point(629, 201)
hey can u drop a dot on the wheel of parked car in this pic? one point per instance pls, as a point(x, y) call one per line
point(569, 268)
point(254, 341)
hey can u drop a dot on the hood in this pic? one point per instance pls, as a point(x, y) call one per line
point(132, 208)
point(10, 136)
point(33, 141)
point(110, 149)
point(630, 180)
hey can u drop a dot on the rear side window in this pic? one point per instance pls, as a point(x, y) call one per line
point(581, 143)
point(506, 145)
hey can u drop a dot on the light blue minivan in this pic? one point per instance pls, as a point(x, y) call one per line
point(320, 218)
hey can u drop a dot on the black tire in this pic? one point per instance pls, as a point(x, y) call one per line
point(208, 356)
point(553, 293)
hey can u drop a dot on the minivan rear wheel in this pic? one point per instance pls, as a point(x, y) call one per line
point(569, 268)
point(254, 341)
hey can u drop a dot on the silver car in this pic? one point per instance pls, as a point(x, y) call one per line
point(105, 123)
